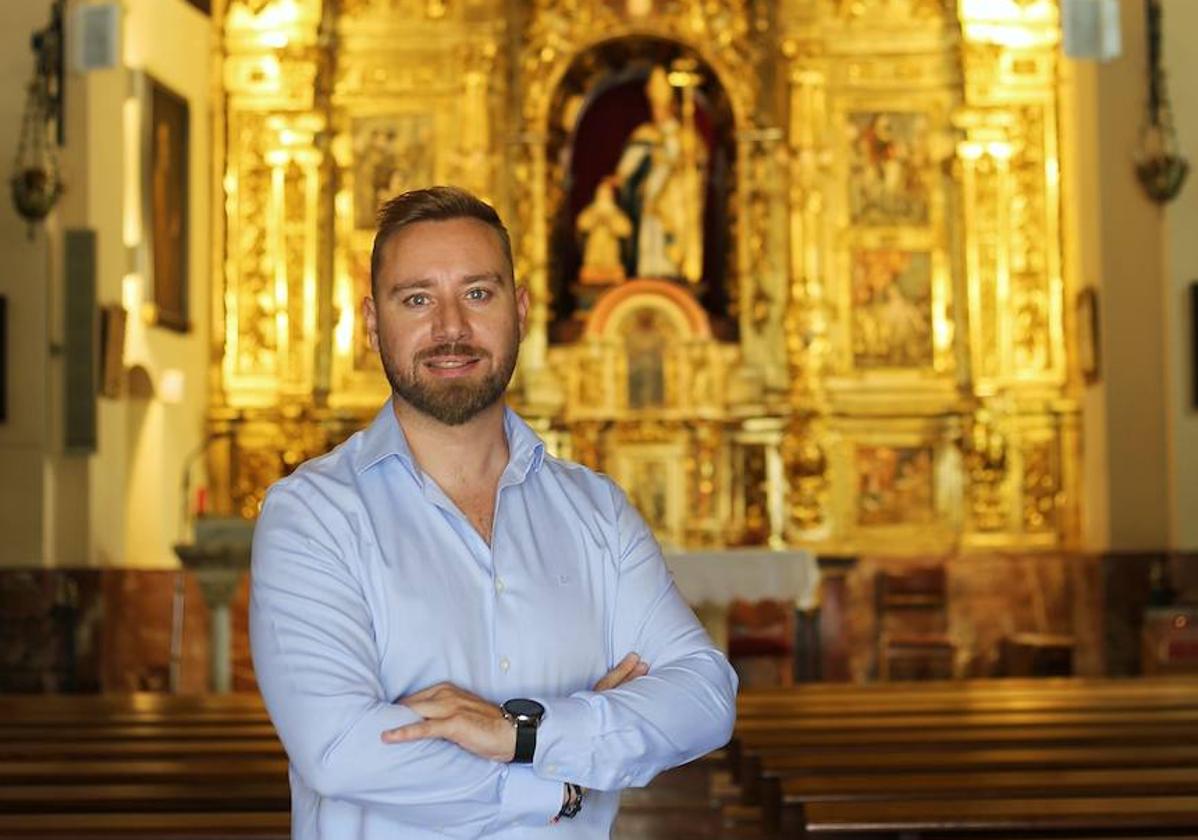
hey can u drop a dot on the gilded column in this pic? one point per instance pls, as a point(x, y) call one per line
point(1021, 452)
point(804, 459)
point(984, 159)
point(273, 69)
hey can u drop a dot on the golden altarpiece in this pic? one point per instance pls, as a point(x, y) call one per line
point(795, 264)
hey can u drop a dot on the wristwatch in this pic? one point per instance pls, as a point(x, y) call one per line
point(526, 716)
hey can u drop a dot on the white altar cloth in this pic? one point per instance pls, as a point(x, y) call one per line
point(751, 574)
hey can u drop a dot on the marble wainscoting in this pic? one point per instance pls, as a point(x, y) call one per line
point(991, 597)
point(88, 630)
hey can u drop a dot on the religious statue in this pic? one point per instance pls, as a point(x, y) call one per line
point(604, 224)
point(660, 177)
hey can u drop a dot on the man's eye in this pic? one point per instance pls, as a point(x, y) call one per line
point(478, 294)
point(415, 300)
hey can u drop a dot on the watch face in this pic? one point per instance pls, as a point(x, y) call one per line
point(520, 708)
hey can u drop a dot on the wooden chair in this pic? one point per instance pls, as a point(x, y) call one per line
point(1036, 655)
point(911, 613)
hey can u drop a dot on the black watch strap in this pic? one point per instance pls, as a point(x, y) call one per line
point(525, 715)
point(526, 742)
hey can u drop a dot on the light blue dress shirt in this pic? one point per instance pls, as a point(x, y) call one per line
point(369, 584)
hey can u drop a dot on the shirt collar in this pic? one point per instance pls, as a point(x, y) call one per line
point(384, 436)
point(526, 450)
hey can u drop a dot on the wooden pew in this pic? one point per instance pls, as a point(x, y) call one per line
point(801, 794)
point(215, 795)
point(50, 733)
point(1141, 816)
point(828, 750)
point(200, 770)
point(760, 755)
point(148, 749)
point(160, 826)
point(150, 767)
point(141, 765)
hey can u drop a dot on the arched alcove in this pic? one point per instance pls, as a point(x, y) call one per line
point(598, 104)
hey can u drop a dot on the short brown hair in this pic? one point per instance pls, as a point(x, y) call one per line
point(433, 204)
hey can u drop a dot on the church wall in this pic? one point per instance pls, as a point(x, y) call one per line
point(23, 283)
point(172, 42)
point(1181, 260)
point(1132, 305)
point(121, 505)
point(1140, 437)
point(1119, 250)
point(1082, 262)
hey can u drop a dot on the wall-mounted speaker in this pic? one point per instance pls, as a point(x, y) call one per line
point(96, 37)
point(80, 340)
point(1091, 30)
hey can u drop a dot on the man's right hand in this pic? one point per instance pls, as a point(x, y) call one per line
point(628, 668)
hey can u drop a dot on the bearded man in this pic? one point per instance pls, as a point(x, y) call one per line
point(455, 633)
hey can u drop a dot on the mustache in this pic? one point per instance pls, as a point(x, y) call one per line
point(452, 348)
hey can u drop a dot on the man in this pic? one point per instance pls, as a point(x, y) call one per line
point(455, 633)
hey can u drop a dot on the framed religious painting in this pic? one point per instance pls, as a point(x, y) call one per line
point(652, 474)
point(166, 198)
point(895, 485)
point(892, 308)
point(889, 168)
point(391, 153)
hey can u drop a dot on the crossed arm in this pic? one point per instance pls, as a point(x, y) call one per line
point(477, 725)
point(442, 763)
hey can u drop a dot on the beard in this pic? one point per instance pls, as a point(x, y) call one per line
point(452, 402)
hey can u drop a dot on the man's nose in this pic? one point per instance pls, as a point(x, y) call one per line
point(450, 323)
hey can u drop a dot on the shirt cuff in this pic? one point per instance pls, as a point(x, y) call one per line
point(527, 799)
point(565, 737)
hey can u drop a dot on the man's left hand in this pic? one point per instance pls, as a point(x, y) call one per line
point(456, 715)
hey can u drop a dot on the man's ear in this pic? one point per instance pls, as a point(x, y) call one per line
point(522, 304)
point(370, 319)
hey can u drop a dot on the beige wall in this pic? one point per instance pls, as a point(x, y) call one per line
point(1140, 435)
point(23, 437)
point(173, 42)
point(122, 505)
point(1181, 264)
point(1131, 236)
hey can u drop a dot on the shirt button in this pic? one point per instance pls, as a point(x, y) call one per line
point(504, 664)
point(499, 585)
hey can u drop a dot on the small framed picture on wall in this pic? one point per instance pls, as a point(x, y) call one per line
point(3, 359)
point(1089, 356)
point(1194, 344)
point(165, 162)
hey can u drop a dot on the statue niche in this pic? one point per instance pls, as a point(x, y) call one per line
point(641, 137)
point(660, 177)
